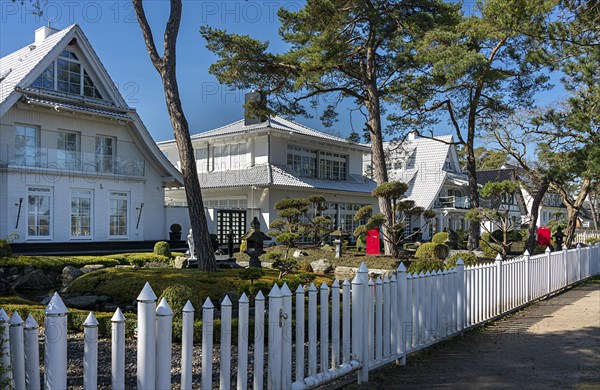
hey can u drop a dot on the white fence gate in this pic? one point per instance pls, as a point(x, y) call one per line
point(356, 326)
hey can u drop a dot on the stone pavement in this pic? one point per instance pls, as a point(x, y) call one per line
point(552, 344)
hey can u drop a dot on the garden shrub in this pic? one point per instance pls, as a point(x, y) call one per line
point(162, 248)
point(282, 264)
point(425, 264)
point(591, 240)
point(251, 274)
point(304, 278)
point(469, 258)
point(5, 249)
point(511, 236)
point(432, 250)
point(462, 239)
point(177, 296)
point(304, 266)
point(439, 238)
point(490, 250)
point(539, 249)
point(140, 259)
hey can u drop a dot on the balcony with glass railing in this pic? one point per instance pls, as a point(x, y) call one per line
point(70, 161)
point(459, 202)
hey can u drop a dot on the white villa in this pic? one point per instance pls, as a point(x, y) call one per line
point(76, 162)
point(435, 181)
point(247, 166)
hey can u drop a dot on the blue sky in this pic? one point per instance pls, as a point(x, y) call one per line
point(112, 28)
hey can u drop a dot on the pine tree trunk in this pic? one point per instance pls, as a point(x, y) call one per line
point(535, 210)
point(474, 228)
point(573, 209)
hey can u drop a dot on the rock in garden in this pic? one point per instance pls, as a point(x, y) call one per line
point(70, 273)
point(91, 267)
point(321, 266)
point(299, 253)
point(180, 262)
point(33, 281)
point(83, 302)
point(4, 285)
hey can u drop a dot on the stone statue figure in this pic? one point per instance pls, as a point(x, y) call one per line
point(191, 246)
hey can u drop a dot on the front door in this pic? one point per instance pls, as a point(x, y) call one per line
point(234, 220)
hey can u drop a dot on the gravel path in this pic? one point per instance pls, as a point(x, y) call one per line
point(553, 344)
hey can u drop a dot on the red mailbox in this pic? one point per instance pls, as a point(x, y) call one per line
point(373, 242)
point(543, 237)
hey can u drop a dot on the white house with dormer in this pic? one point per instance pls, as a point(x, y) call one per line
point(245, 167)
point(435, 181)
point(77, 163)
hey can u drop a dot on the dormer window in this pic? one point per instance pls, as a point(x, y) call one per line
point(67, 75)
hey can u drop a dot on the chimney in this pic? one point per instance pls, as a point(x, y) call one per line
point(253, 98)
point(411, 136)
point(42, 33)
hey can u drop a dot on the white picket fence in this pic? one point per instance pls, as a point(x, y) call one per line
point(353, 327)
point(582, 236)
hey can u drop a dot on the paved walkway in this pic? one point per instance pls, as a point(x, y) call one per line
point(553, 344)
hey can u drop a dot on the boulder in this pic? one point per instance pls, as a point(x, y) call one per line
point(35, 280)
point(83, 302)
point(14, 271)
point(180, 262)
point(321, 266)
point(91, 267)
point(70, 273)
point(4, 284)
point(299, 253)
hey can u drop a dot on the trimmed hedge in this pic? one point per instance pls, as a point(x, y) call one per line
point(440, 238)
point(55, 263)
point(432, 250)
point(162, 248)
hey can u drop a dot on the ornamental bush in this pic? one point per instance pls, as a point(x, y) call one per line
point(426, 264)
point(177, 296)
point(432, 250)
point(251, 274)
point(5, 249)
point(469, 259)
point(440, 238)
point(162, 248)
point(490, 250)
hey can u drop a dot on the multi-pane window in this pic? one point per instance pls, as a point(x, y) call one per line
point(302, 161)
point(81, 213)
point(231, 156)
point(201, 159)
point(26, 145)
point(332, 166)
point(67, 149)
point(38, 212)
point(105, 148)
point(117, 218)
point(226, 204)
point(67, 75)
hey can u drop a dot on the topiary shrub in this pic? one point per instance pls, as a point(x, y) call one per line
point(5, 249)
point(177, 296)
point(469, 258)
point(140, 259)
point(304, 266)
point(251, 274)
point(439, 238)
point(162, 248)
point(432, 250)
point(425, 264)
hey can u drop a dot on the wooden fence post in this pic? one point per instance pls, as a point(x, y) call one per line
point(363, 274)
point(299, 334)
point(402, 312)
point(335, 324)
point(345, 322)
point(225, 344)
point(286, 321)
point(275, 339)
point(378, 319)
point(17, 351)
point(259, 340)
point(32, 354)
point(579, 259)
point(146, 338)
point(4, 349)
point(207, 343)
point(387, 336)
point(90, 352)
point(460, 294)
point(118, 350)
point(324, 328)
point(164, 337)
point(55, 344)
point(357, 320)
point(187, 345)
point(242, 371)
point(312, 330)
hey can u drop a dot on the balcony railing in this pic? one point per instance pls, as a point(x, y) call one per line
point(459, 202)
point(70, 161)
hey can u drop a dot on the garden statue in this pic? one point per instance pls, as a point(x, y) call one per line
point(191, 246)
point(255, 242)
point(338, 237)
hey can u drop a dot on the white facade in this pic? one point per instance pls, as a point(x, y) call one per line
point(76, 163)
point(244, 169)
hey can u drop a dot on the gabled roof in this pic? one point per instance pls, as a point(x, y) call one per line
point(494, 175)
point(276, 123)
point(271, 175)
point(20, 68)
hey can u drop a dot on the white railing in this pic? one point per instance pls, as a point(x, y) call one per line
point(582, 236)
point(356, 326)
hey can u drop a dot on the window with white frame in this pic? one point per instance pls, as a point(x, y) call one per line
point(201, 158)
point(303, 161)
point(67, 149)
point(230, 156)
point(105, 152)
point(118, 214)
point(26, 145)
point(81, 213)
point(332, 166)
point(66, 74)
point(39, 201)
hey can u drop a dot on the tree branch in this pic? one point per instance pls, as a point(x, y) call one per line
point(157, 61)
